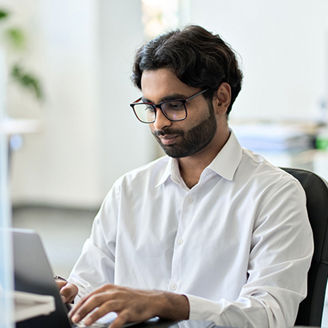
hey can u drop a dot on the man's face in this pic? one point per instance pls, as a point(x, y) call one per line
point(180, 138)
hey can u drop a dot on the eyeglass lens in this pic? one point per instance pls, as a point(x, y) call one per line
point(173, 110)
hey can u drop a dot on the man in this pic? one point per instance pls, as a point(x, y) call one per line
point(211, 231)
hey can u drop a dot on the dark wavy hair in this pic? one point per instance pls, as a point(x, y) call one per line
point(198, 58)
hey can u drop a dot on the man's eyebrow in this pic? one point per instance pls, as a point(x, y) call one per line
point(175, 96)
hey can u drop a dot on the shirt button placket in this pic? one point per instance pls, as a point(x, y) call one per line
point(184, 217)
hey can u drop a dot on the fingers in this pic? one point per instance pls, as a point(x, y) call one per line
point(98, 291)
point(101, 301)
point(129, 304)
point(60, 283)
point(110, 306)
point(68, 292)
point(78, 305)
point(121, 319)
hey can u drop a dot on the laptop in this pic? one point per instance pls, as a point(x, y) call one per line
point(33, 273)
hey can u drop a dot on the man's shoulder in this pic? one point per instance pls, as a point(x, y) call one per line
point(254, 168)
point(145, 174)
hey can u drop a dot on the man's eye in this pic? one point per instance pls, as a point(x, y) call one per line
point(174, 105)
point(149, 109)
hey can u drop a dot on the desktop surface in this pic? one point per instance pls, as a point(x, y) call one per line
point(159, 323)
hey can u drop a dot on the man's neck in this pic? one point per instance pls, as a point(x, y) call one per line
point(191, 167)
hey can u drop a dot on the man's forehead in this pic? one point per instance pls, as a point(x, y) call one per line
point(159, 76)
point(157, 85)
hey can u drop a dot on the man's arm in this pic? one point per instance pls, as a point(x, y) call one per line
point(279, 259)
point(130, 305)
point(98, 250)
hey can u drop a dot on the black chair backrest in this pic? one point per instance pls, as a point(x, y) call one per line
point(316, 190)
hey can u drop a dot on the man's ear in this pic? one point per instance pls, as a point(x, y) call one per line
point(222, 98)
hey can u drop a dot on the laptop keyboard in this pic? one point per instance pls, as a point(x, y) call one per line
point(94, 325)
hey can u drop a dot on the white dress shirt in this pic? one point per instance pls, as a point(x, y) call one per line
point(238, 244)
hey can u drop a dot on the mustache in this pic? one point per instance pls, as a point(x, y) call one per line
point(164, 132)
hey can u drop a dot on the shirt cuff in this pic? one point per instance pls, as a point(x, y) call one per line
point(203, 309)
point(82, 290)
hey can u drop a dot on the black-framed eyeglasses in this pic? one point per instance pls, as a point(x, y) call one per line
point(173, 110)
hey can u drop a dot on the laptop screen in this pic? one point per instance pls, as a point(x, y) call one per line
point(33, 274)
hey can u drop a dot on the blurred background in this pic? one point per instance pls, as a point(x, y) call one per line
point(68, 93)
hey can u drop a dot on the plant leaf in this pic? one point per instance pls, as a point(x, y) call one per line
point(16, 37)
point(3, 14)
point(27, 80)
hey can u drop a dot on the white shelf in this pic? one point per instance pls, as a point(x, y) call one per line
point(29, 305)
point(14, 126)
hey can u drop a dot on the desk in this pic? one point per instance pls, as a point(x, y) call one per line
point(163, 324)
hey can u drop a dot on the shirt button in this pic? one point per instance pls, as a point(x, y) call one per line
point(180, 241)
point(174, 286)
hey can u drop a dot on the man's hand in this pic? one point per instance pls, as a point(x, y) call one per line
point(130, 305)
point(67, 291)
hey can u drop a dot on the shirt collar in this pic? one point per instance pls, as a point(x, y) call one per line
point(224, 164)
point(227, 160)
point(171, 169)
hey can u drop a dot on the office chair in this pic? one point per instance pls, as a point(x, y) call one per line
point(316, 190)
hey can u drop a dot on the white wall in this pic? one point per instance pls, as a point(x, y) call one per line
point(60, 164)
point(126, 143)
point(83, 51)
point(283, 47)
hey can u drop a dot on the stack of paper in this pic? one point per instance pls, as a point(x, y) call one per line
point(29, 305)
point(266, 138)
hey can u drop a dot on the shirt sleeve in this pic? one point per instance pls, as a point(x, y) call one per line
point(280, 256)
point(95, 266)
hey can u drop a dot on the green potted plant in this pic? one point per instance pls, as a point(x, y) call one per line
point(14, 38)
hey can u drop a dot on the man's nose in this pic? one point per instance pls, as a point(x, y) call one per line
point(161, 120)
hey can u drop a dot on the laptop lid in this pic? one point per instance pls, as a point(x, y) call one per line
point(32, 273)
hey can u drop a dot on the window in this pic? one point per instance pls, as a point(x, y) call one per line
point(159, 16)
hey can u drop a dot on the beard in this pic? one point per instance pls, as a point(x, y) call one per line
point(193, 140)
